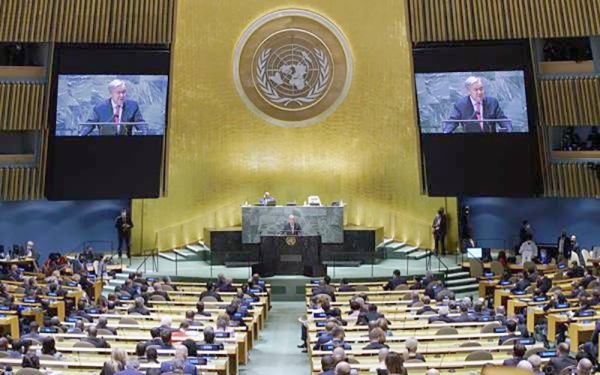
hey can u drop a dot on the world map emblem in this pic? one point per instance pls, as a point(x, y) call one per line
point(292, 67)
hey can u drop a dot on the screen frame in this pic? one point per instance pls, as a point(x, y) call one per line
point(473, 56)
point(98, 59)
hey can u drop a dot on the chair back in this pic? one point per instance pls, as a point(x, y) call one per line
point(47, 357)
point(489, 328)
point(444, 293)
point(83, 344)
point(104, 331)
point(512, 341)
point(479, 355)
point(29, 371)
point(497, 268)
point(574, 258)
point(446, 331)
point(158, 297)
point(532, 351)
point(361, 288)
point(470, 344)
point(401, 287)
point(475, 268)
point(209, 299)
point(586, 256)
point(128, 320)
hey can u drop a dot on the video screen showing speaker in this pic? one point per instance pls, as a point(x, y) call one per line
point(476, 116)
point(111, 105)
point(472, 102)
point(108, 121)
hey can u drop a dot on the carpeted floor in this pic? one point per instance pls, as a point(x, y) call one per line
point(276, 351)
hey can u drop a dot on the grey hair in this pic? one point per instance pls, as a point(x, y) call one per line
point(114, 84)
point(411, 344)
point(471, 81)
point(132, 364)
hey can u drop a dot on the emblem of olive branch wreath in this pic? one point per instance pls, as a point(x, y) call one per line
point(314, 93)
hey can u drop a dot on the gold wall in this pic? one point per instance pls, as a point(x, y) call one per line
point(220, 154)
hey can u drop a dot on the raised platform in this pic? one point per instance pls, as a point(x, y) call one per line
point(287, 287)
point(359, 245)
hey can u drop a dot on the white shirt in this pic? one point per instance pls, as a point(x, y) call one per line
point(529, 247)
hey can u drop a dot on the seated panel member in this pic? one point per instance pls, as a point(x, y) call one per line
point(477, 106)
point(115, 109)
point(291, 227)
point(267, 199)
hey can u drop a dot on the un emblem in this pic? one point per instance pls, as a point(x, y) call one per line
point(291, 241)
point(292, 67)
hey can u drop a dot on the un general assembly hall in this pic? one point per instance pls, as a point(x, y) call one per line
point(299, 187)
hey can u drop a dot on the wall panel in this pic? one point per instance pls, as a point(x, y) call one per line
point(22, 106)
point(502, 19)
point(89, 21)
point(573, 101)
point(366, 155)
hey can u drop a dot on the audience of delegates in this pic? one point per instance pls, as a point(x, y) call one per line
point(334, 335)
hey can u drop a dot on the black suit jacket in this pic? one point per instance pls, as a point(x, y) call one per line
point(545, 284)
point(560, 363)
point(119, 222)
point(512, 362)
point(287, 229)
point(463, 110)
point(103, 112)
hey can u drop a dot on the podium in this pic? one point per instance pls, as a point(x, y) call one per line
point(289, 255)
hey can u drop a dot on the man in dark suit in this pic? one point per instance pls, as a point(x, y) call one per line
point(544, 284)
point(371, 315)
point(327, 365)
point(511, 327)
point(466, 229)
point(396, 280)
point(291, 227)
point(476, 106)
point(464, 316)
point(138, 307)
point(93, 338)
point(439, 231)
point(115, 110)
point(267, 199)
point(345, 287)
point(426, 306)
point(124, 224)
point(561, 361)
point(563, 245)
point(442, 317)
point(181, 353)
point(518, 353)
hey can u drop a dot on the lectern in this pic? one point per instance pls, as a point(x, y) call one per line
point(290, 255)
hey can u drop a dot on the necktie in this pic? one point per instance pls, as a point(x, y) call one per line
point(479, 115)
point(117, 110)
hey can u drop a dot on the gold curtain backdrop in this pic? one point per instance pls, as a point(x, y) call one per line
point(220, 154)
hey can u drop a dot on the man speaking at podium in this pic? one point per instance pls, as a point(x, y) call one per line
point(291, 227)
point(115, 111)
point(476, 106)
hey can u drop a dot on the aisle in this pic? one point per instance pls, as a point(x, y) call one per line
point(276, 351)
